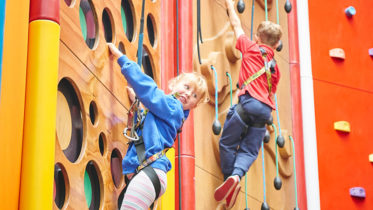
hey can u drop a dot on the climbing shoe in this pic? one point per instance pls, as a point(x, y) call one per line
point(231, 198)
point(224, 189)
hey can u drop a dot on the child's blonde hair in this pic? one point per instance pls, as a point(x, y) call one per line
point(269, 33)
point(195, 79)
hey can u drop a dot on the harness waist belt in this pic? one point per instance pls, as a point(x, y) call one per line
point(246, 117)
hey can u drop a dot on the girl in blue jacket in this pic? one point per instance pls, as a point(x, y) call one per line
point(165, 116)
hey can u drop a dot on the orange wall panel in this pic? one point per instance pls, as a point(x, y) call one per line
point(330, 28)
point(343, 157)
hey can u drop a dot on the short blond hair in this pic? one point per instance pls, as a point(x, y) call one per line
point(197, 80)
point(269, 33)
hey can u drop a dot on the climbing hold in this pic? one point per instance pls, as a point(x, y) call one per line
point(216, 127)
point(241, 6)
point(267, 137)
point(279, 47)
point(280, 141)
point(337, 53)
point(342, 126)
point(371, 158)
point(350, 11)
point(288, 6)
point(357, 192)
point(278, 183)
point(264, 206)
point(371, 51)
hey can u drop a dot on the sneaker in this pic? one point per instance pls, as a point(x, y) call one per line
point(224, 189)
point(231, 198)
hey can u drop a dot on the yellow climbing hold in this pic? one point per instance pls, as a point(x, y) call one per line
point(342, 126)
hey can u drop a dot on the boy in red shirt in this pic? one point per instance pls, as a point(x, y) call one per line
point(244, 127)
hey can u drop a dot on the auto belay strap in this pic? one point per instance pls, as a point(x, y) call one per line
point(268, 68)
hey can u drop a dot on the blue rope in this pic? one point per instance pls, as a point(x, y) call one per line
point(266, 9)
point(216, 92)
point(278, 116)
point(274, 128)
point(252, 21)
point(230, 85)
point(251, 37)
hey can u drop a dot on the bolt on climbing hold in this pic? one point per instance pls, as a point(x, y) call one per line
point(350, 11)
point(342, 126)
point(357, 192)
point(337, 53)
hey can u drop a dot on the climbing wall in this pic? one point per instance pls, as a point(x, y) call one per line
point(92, 102)
point(218, 49)
point(343, 92)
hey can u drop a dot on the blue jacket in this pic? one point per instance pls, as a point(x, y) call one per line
point(164, 118)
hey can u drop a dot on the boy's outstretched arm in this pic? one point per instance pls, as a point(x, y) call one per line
point(234, 19)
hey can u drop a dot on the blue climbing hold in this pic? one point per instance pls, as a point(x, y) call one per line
point(350, 11)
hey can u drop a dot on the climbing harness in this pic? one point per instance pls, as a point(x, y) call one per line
point(247, 119)
point(268, 68)
point(145, 163)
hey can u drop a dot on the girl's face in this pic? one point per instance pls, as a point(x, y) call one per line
point(187, 94)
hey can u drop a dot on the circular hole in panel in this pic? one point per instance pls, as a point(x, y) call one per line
point(92, 186)
point(69, 125)
point(102, 143)
point(116, 167)
point(107, 21)
point(88, 22)
point(128, 19)
point(150, 24)
point(147, 62)
point(93, 112)
point(121, 48)
point(60, 185)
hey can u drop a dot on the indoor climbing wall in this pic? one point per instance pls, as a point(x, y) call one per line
point(92, 104)
point(218, 49)
point(342, 63)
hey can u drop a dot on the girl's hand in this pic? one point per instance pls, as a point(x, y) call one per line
point(114, 50)
point(131, 94)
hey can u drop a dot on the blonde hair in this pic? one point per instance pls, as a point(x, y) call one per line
point(269, 33)
point(195, 79)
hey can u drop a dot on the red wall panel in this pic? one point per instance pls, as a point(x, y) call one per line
point(343, 90)
point(330, 28)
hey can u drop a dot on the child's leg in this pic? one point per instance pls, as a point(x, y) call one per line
point(230, 139)
point(248, 151)
point(251, 143)
point(140, 193)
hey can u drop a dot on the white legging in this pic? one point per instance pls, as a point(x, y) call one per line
point(140, 192)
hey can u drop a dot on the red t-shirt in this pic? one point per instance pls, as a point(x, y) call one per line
point(252, 62)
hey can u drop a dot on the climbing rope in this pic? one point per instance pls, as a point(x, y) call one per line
point(216, 127)
point(177, 72)
point(199, 32)
point(230, 85)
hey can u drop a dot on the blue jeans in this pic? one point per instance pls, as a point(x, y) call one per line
point(239, 144)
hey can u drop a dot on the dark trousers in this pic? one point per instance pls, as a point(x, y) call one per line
point(240, 143)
